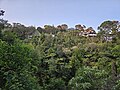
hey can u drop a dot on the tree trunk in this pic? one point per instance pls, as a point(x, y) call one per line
point(114, 69)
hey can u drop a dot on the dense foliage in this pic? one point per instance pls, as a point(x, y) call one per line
point(51, 58)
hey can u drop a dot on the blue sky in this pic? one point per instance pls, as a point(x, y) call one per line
point(55, 12)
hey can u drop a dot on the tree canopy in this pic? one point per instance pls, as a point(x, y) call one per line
point(56, 58)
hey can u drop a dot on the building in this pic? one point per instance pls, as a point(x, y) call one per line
point(89, 32)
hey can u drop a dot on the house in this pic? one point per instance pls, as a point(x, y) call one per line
point(89, 32)
point(108, 38)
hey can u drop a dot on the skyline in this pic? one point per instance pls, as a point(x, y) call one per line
point(54, 12)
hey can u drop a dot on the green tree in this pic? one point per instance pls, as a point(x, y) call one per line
point(2, 12)
point(87, 78)
point(109, 27)
point(18, 64)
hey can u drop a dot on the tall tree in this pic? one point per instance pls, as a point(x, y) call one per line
point(64, 26)
point(2, 12)
point(79, 27)
point(109, 27)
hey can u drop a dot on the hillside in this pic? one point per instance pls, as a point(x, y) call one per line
point(59, 58)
